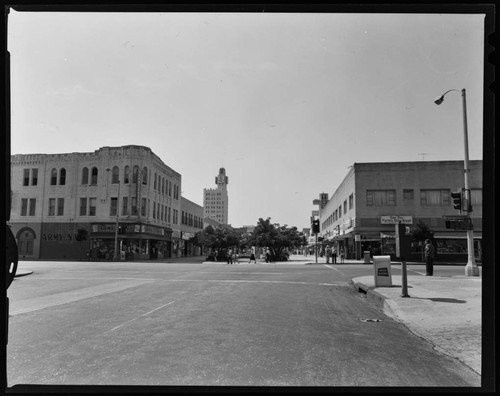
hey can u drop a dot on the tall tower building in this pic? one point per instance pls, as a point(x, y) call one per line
point(215, 200)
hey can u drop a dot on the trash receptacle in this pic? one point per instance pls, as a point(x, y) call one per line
point(366, 255)
point(382, 268)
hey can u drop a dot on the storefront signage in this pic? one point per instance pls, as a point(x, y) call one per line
point(187, 236)
point(396, 219)
point(152, 230)
point(110, 228)
point(103, 228)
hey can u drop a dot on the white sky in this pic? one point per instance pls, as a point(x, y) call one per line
point(285, 102)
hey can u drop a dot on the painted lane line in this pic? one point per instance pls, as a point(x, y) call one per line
point(333, 268)
point(147, 313)
point(41, 302)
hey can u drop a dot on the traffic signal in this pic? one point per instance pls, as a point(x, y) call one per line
point(315, 226)
point(466, 202)
point(457, 200)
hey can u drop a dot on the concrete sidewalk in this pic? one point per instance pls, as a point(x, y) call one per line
point(446, 311)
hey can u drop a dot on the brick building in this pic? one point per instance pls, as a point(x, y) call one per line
point(361, 214)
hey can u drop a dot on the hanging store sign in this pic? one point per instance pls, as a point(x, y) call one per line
point(396, 219)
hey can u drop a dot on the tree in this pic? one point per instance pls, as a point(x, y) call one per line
point(276, 238)
point(219, 240)
point(420, 233)
point(81, 235)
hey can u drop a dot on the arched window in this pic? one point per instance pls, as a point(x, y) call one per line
point(93, 178)
point(53, 177)
point(85, 176)
point(127, 175)
point(145, 176)
point(62, 177)
point(115, 177)
point(154, 186)
point(135, 175)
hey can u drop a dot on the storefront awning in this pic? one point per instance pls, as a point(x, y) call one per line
point(437, 235)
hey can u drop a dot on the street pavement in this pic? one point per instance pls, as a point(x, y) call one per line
point(444, 310)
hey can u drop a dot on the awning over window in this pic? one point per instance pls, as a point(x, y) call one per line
point(445, 235)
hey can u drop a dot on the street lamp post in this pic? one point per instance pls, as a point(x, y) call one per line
point(471, 268)
point(117, 223)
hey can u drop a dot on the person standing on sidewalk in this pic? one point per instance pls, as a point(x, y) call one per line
point(342, 255)
point(334, 256)
point(230, 257)
point(252, 258)
point(429, 258)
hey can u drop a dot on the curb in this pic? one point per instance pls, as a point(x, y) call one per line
point(371, 294)
point(22, 273)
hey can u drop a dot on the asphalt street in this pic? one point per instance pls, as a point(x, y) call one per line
point(152, 323)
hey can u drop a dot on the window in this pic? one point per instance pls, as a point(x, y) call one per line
point(345, 206)
point(113, 207)
point(340, 211)
point(34, 176)
point(434, 197)
point(60, 206)
point(145, 176)
point(26, 177)
point(52, 206)
point(154, 210)
point(135, 175)
point(351, 201)
point(93, 179)
point(115, 175)
point(154, 185)
point(24, 206)
point(168, 215)
point(407, 194)
point(476, 197)
point(162, 212)
point(32, 206)
point(85, 176)
point(62, 177)
point(92, 206)
point(169, 188)
point(53, 177)
point(134, 206)
point(163, 185)
point(380, 198)
point(125, 206)
point(143, 207)
point(83, 206)
point(126, 178)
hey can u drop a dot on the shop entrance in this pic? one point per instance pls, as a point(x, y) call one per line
point(25, 242)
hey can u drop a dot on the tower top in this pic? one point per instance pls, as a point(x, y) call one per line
point(221, 180)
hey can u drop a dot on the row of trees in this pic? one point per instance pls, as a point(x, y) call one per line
point(274, 237)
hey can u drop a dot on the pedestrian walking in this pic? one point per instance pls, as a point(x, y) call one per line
point(268, 257)
point(429, 258)
point(334, 256)
point(252, 258)
point(230, 257)
point(342, 255)
point(328, 253)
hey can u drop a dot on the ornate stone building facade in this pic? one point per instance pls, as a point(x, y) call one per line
point(59, 199)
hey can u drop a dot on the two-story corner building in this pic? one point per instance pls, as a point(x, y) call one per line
point(191, 223)
point(373, 197)
point(58, 197)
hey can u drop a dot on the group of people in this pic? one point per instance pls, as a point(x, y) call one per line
point(333, 254)
point(234, 257)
